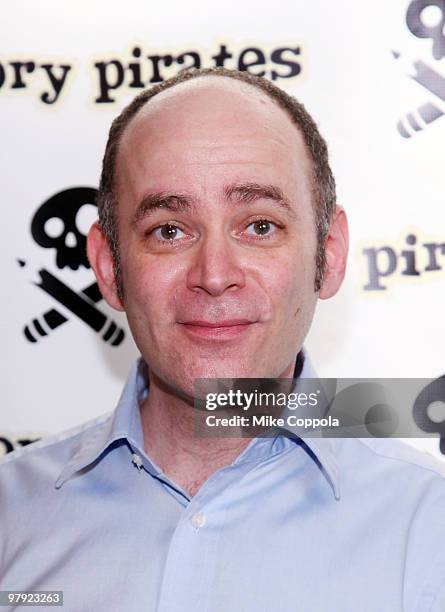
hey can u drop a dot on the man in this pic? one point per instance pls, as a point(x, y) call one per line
point(218, 232)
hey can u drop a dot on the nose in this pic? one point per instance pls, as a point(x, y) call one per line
point(70, 240)
point(216, 267)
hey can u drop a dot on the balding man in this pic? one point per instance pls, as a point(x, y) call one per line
point(218, 232)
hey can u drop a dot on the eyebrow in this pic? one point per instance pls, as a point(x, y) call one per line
point(243, 193)
point(161, 200)
point(246, 193)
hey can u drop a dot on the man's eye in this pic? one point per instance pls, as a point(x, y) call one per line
point(167, 232)
point(262, 227)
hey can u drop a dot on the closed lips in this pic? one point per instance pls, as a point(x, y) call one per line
point(229, 323)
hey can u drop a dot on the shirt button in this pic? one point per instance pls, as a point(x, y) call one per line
point(137, 461)
point(198, 520)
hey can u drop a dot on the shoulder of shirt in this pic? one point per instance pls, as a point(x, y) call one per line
point(396, 450)
point(67, 438)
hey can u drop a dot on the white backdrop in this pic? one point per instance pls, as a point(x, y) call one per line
point(355, 62)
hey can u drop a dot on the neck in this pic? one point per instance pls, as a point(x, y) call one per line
point(168, 424)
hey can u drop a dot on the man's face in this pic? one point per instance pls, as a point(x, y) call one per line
point(217, 234)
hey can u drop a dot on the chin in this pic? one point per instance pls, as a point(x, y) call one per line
point(216, 372)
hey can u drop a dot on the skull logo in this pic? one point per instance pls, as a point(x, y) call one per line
point(61, 223)
point(414, 21)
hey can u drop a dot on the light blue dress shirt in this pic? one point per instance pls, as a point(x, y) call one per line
point(345, 525)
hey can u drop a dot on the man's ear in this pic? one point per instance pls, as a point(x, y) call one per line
point(101, 260)
point(336, 246)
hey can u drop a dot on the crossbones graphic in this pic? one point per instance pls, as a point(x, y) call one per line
point(55, 225)
point(424, 74)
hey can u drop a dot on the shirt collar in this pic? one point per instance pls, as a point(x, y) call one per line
point(321, 449)
point(125, 423)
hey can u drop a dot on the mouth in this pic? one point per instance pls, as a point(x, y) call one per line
point(217, 330)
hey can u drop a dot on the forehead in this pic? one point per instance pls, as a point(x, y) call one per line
point(215, 121)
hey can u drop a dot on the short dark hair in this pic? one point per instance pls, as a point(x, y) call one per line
point(323, 182)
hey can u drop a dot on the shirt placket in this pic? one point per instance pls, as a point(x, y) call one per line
point(193, 552)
